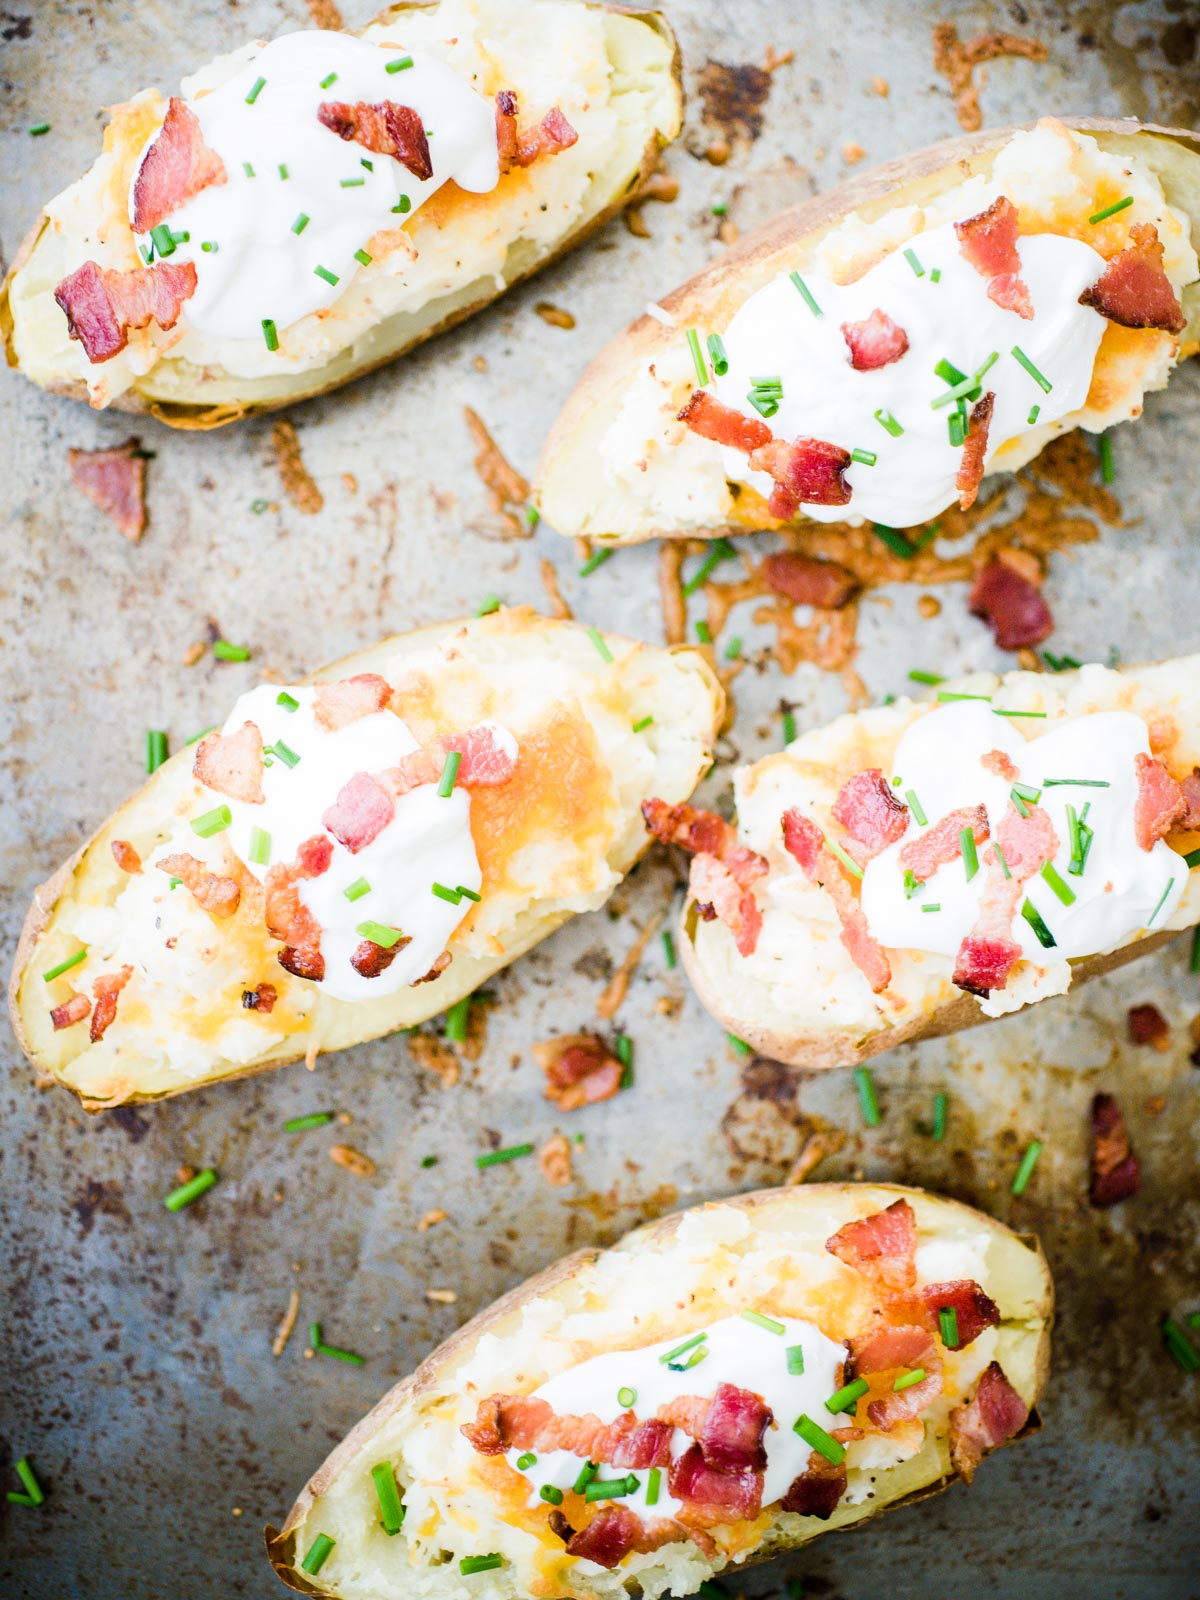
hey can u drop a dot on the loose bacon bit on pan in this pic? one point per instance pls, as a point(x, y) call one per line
point(219, 896)
point(370, 959)
point(580, 1070)
point(176, 167)
point(70, 1012)
point(942, 843)
point(805, 842)
point(386, 129)
point(883, 1245)
point(114, 480)
point(901, 1406)
point(1011, 606)
point(809, 583)
point(484, 762)
point(816, 1492)
point(1000, 765)
point(713, 1495)
point(970, 470)
point(988, 954)
point(126, 856)
point(721, 424)
point(988, 241)
point(806, 472)
point(995, 1415)
point(106, 989)
point(552, 134)
point(973, 1309)
point(527, 1422)
point(887, 1348)
point(724, 871)
point(1134, 290)
point(101, 306)
point(869, 811)
point(1147, 1025)
point(360, 813)
point(337, 705)
point(875, 342)
point(262, 998)
point(231, 763)
point(1011, 293)
point(288, 919)
point(732, 1439)
point(608, 1537)
point(1116, 1171)
point(1160, 801)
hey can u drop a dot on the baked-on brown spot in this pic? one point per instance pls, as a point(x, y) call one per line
point(507, 490)
point(956, 60)
point(324, 14)
point(431, 1052)
point(353, 1160)
point(613, 996)
point(554, 315)
point(732, 98)
point(298, 483)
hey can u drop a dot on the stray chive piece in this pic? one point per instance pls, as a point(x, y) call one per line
point(888, 423)
point(738, 1046)
point(260, 847)
point(717, 355)
point(496, 1158)
point(452, 896)
point(941, 1104)
point(867, 1098)
point(352, 183)
point(907, 1379)
point(214, 821)
point(769, 1323)
point(1194, 963)
point(1034, 918)
point(1111, 211)
point(1042, 381)
point(402, 206)
point(1179, 1347)
point(192, 1190)
point(315, 1119)
point(914, 805)
point(673, 1355)
point(795, 1360)
point(733, 649)
point(1162, 900)
point(602, 649)
point(270, 336)
point(1107, 470)
point(932, 905)
point(817, 1439)
point(693, 343)
point(596, 559)
point(38, 129)
point(458, 1017)
point(487, 606)
point(283, 171)
point(357, 889)
point(362, 258)
point(914, 262)
point(322, 1349)
point(449, 773)
point(1063, 890)
point(34, 1492)
point(626, 1398)
point(258, 86)
point(935, 275)
point(653, 1479)
point(1034, 413)
point(65, 966)
point(324, 272)
point(703, 632)
point(966, 841)
point(379, 933)
point(895, 541)
point(587, 1472)
point(331, 79)
point(668, 941)
point(848, 1397)
point(318, 1553)
point(931, 678)
point(721, 550)
point(524, 1462)
point(391, 1507)
point(641, 724)
point(1025, 1170)
point(948, 1327)
point(789, 726)
point(247, 169)
point(400, 64)
point(806, 292)
point(551, 1495)
point(224, 651)
point(300, 223)
point(625, 1057)
point(156, 749)
point(867, 458)
point(470, 1564)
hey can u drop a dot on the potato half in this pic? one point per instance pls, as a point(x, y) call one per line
point(769, 1237)
point(606, 469)
point(474, 246)
point(571, 826)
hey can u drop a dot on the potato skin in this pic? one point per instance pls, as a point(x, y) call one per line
point(281, 1543)
point(714, 294)
point(202, 418)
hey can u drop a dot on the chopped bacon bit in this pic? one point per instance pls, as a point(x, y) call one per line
point(942, 843)
point(973, 1309)
point(1147, 1025)
point(436, 970)
point(114, 480)
point(1000, 765)
point(875, 342)
point(732, 1495)
point(106, 989)
point(721, 424)
point(70, 1012)
point(370, 959)
point(337, 705)
point(887, 1348)
point(724, 871)
point(580, 1070)
point(988, 954)
point(484, 762)
point(217, 895)
point(816, 1492)
point(554, 1160)
point(970, 471)
point(1160, 801)
point(559, 1525)
point(288, 919)
point(809, 583)
point(995, 1415)
point(102, 306)
point(806, 472)
point(890, 1409)
point(984, 964)
point(262, 998)
point(360, 813)
point(988, 241)
point(732, 1439)
point(386, 129)
point(805, 842)
point(126, 856)
point(1116, 1171)
point(867, 807)
point(1189, 787)
point(175, 168)
point(552, 134)
point(717, 893)
point(686, 1411)
point(232, 764)
point(1011, 606)
point(302, 963)
point(1134, 290)
point(883, 1245)
point(1011, 293)
point(527, 1422)
point(608, 1538)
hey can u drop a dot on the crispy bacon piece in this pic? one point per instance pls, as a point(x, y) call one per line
point(932, 849)
point(883, 1245)
point(1147, 1025)
point(552, 134)
point(983, 964)
point(176, 167)
point(714, 1495)
point(989, 240)
point(1134, 289)
point(70, 1012)
point(816, 1492)
point(724, 871)
point(718, 893)
point(809, 583)
point(217, 895)
point(732, 1439)
point(580, 1070)
point(867, 807)
point(806, 472)
point(973, 1309)
point(114, 480)
point(995, 1415)
point(970, 470)
point(370, 959)
point(1116, 1171)
point(337, 705)
point(436, 970)
point(805, 842)
point(232, 764)
point(1160, 801)
point(106, 989)
point(1189, 787)
point(360, 813)
point(890, 1409)
point(988, 953)
point(721, 424)
point(1011, 606)
point(686, 1411)
point(875, 342)
point(527, 1422)
point(386, 129)
point(608, 1537)
point(483, 762)
point(102, 305)
point(262, 998)
point(288, 919)
point(126, 856)
point(1000, 765)
point(886, 1348)
point(1011, 293)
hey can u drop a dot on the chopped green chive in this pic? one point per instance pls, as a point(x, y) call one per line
point(965, 388)
point(28, 1477)
point(487, 606)
point(733, 649)
point(497, 1158)
point(259, 506)
point(769, 1323)
point(1192, 859)
point(285, 753)
point(764, 402)
point(738, 1046)
point(948, 1327)
point(847, 1398)
point(947, 697)
point(1162, 901)
point(1111, 211)
point(214, 821)
point(641, 724)
point(682, 1349)
point(653, 1479)
point(1034, 918)
point(716, 354)
point(391, 1508)
point(532, 516)
point(258, 86)
point(283, 171)
point(948, 372)
point(931, 678)
point(997, 712)
point(210, 247)
point(300, 223)
point(914, 805)
point(318, 1553)
point(470, 1564)
point(352, 183)
point(907, 1379)
point(602, 649)
point(720, 550)
point(38, 129)
point(192, 1190)
point(402, 206)
point(1077, 783)
point(693, 343)
point(1060, 663)
point(357, 889)
point(911, 257)
point(322, 1349)
point(789, 726)
point(363, 162)
point(668, 941)
point(379, 933)
point(956, 428)
point(247, 169)
point(626, 1398)
point(1179, 1347)
point(607, 1489)
point(587, 1472)
point(156, 749)
point(596, 559)
point(966, 842)
point(468, 894)
point(163, 239)
point(331, 79)
point(1024, 795)
point(362, 258)
point(888, 423)
point(224, 651)
point(795, 1360)
point(940, 1105)
point(624, 1046)
point(895, 541)
point(1025, 1170)
point(1063, 890)
point(529, 1459)
point(868, 458)
point(1081, 837)
point(324, 272)
point(551, 1495)
point(935, 275)
point(1107, 469)
point(912, 884)
point(807, 294)
point(64, 966)
point(287, 701)
point(270, 337)
point(1039, 378)
point(315, 1119)
point(1034, 413)
point(932, 905)
point(817, 1439)
point(867, 1098)
point(720, 209)
point(400, 64)
point(449, 773)
point(848, 861)
point(451, 895)
point(457, 1018)
point(1194, 963)
point(260, 847)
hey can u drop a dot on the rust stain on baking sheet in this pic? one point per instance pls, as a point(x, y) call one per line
point(732, 98)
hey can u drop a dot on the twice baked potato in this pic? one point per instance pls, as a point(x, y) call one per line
point(313, 207)
point(353, 854)
point(872, 353)
point(920, 867)
point(723, 1385)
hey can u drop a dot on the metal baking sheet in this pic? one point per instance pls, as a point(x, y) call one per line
point(136, 1345)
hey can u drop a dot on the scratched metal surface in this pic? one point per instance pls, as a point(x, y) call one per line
point(136, 1361)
